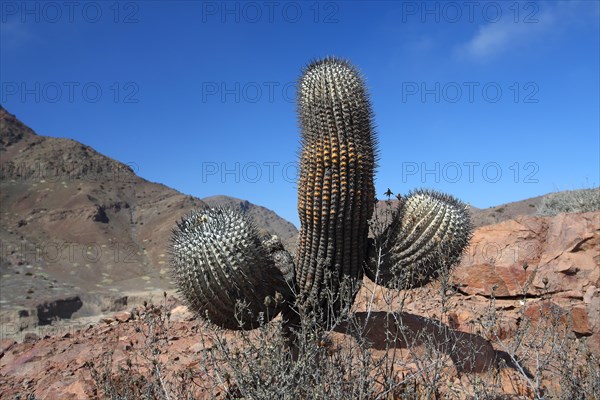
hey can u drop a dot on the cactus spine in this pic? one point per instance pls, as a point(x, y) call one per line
point(336, 193)
point(223, 271)
point(427, 235)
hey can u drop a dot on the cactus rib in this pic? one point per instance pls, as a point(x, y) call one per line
point(335, 188)
point(221, 266)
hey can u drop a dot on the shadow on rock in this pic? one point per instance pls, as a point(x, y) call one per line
point(383, 331)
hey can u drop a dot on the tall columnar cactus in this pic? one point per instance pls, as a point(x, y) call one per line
point(232, 278)
point(336, 194)
point(223, 270)
point(427, 235)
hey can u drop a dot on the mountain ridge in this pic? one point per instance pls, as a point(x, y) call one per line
point(76, 224)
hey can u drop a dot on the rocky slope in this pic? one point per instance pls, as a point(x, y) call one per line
point(505, 212)
point(81, 233)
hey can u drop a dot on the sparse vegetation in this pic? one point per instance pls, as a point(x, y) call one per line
point(323, 346)
point(143, 374)
point(376, 350)
point(378, 353)
point(583, 200)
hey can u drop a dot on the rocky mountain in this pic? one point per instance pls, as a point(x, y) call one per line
point(81, 232)
point(505, 212)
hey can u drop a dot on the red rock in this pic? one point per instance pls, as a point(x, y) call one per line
point(591, 292)
point(196, 348)
point(591, 300)
point(123, 316)
point(593, 343)
point(544, 310)
point(105, 330)
point(5, 345)
point(579, 319)
point(56, 367)
point(496, 256)
point(562, 250)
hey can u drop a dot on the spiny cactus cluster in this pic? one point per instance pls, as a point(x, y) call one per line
point(235, 280)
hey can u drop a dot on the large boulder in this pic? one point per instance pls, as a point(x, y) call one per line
point(554, 261)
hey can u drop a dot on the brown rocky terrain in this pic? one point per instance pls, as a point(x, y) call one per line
point(505, 212)
point(67, 364)
point(522, 272)
point(81, 233)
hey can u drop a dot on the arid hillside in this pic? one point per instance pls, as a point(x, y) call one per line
point(81, 233)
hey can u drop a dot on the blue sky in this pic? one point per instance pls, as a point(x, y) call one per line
point(490, 101)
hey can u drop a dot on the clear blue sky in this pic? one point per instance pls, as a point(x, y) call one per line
point(490, 101)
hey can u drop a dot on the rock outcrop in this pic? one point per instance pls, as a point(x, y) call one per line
point(552, 262)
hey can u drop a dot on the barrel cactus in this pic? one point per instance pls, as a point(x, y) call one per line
point(427, 235)
point(223, 270)
point(230, 276)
